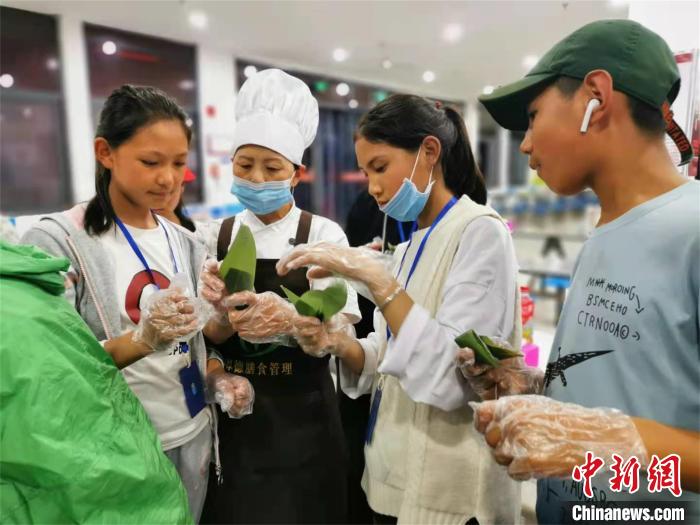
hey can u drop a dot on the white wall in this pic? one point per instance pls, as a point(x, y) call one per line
point(471, 120)
point(76, 91)
point(678, 22)
point(217, 91)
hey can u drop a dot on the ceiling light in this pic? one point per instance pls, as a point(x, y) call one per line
point(530, 61)
point(452, 33)
point(386, 63)
point(340, 55)
point(487, 90)
point(52, 64)
point(7, 80)
point(249, 71)
point(109, 47)
point(342, 89)
point(428, 76)
point(353, 103)
point(186, 85)
point(198, 19)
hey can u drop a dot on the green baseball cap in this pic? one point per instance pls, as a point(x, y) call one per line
point(639, 61)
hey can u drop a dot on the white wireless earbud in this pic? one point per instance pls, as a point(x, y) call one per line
point(592, 105)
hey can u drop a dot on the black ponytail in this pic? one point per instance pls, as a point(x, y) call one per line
point(185, 221)
point(127, 110)
point(99, 214)
point(460, 170)
point(403, 121)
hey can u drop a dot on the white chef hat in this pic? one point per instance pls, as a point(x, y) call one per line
point(277, 111)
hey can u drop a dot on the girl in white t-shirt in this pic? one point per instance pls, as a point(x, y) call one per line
point(124, 259)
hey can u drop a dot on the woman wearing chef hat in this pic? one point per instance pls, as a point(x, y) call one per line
point(284, 463)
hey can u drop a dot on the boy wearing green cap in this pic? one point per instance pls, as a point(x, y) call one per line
point(595, 109)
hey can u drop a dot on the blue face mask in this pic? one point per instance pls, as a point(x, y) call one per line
point(262, 197)
point(408, 202)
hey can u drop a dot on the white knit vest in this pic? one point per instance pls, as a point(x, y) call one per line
point(425, 465)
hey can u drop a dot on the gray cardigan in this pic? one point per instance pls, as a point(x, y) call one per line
point(62, 234)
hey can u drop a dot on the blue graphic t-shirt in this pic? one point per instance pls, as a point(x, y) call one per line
point(628, 337)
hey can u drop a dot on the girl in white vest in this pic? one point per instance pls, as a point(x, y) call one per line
point(457, 272)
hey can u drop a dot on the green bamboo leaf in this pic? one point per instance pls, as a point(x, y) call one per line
point(293, 298)
point(307, 306)
point(238, 267)
point(482, 354)
point(322, 304)
point(302, 307)
point(498, 350)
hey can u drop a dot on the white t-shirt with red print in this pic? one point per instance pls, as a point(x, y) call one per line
point(154, 379)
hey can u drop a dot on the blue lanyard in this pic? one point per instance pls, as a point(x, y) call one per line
point(419, 253)
point(139, 254)
point(402, 234)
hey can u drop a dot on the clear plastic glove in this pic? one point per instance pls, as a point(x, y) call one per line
point(537, 437)
point(171, 315)
point(375, 245)
point(319, 339)
point(213, 289)
point(267, 317)
point(512, 378)
point(234, 393)
point(358, 265)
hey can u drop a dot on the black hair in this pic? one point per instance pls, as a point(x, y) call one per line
point(185, 221)
point(126, 111)
point(403, 121)
point(647, 118)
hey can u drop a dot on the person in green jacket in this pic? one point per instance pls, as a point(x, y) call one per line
point(76, 446)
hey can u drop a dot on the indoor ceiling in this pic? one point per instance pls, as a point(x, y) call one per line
point(467, 45)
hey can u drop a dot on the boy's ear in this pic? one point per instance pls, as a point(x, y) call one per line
point(598, 85)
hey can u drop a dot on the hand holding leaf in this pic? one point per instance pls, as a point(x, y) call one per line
point(322, 304)
point(493, 369)
point(264, 317)
point(486, 350)
point(355, 264)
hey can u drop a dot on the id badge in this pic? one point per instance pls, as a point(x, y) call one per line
point(193, 387)
point(373, 411)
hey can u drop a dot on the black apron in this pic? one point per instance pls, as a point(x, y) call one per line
point(287, 461)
